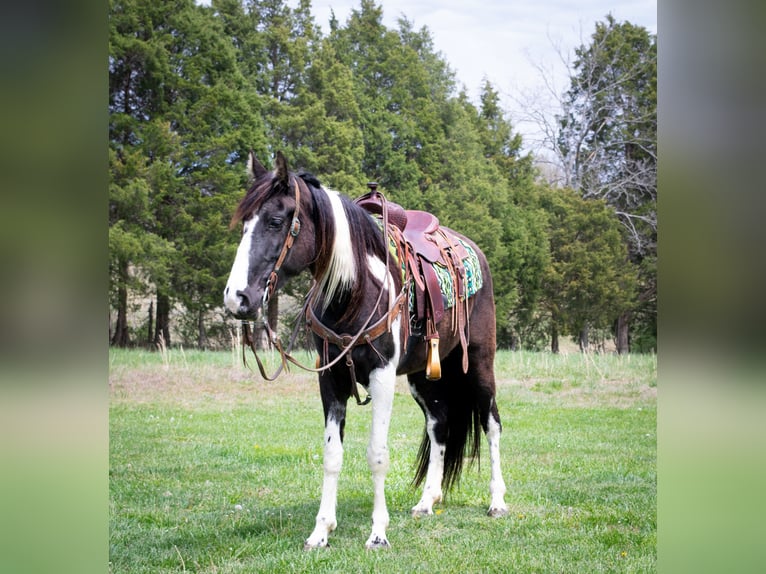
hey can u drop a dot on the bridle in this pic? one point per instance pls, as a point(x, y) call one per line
point(269, 289)
point(295, 229)
point(344, 342)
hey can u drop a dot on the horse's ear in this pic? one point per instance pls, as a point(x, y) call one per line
point(254, 168)
point(281, 167)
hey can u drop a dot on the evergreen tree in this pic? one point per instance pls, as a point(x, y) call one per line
point(392, 92)
point(193, 88)
point(501, 145)
point(139, 94)
point(180, 124)
point(590, 281)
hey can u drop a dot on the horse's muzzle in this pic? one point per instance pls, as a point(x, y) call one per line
point(243, 304)
point(246, 308)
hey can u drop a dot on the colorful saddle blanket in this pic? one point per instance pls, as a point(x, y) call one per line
point(472, 274)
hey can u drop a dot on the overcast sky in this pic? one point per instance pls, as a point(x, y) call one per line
point(503, 40)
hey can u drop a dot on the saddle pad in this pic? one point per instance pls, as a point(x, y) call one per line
point(473, 278)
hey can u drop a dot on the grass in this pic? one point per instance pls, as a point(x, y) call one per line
point(214, 470)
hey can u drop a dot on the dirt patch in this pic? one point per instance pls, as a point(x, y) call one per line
point(183, 385)
point(620, 393)
point(237, 385)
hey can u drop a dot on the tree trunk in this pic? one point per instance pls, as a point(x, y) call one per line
point(201, 332)
point(149, 336)
point(583, 339)
point(162, 328)
point(622, 342)
point(272, 313)
point(121, 336)
point(554, 337)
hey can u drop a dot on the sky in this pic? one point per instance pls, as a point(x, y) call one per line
point(504, 41)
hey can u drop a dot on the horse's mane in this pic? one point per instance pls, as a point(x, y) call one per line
point(366, 240)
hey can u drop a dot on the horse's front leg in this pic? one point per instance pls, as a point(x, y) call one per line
point(335, 420)
point(382, 383)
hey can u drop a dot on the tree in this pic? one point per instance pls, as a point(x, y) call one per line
point(288, 35)
point(600, 138)
point(139, 93)
point(319, 129)
point(500, 143)
point(138, 254)
point(180, 125)
point(400, 86)
point(608, 144)
point(431, 150)
point(590, 281)
point(192, 89)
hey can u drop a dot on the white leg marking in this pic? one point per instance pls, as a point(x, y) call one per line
point(382, 382)
point(240, 268)
point(497, 505)
point(432, 491)
point(333, 461)
point(382, 390)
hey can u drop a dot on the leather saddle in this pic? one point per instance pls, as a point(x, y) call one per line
point(419, 232)
point(422, 243)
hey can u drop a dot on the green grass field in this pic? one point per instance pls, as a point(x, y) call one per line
point(214, 470)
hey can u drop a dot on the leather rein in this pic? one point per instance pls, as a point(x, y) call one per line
point(364, 336)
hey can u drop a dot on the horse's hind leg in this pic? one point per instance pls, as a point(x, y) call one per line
point(475, 390)
point(483, 376)
point(493, 429)
point(433, 403)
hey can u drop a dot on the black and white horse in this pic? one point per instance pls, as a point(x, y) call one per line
point(291, 224)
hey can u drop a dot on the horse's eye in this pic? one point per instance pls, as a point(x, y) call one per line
point(275, 223)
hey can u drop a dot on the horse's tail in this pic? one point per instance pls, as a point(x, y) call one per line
point(463, 424)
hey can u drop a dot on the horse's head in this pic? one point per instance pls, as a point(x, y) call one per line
point(277, 240)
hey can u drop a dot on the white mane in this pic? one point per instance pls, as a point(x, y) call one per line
point(341, 272)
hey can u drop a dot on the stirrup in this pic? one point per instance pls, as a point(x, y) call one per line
point(433, 366)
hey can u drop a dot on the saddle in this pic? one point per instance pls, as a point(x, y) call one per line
point(421, 242)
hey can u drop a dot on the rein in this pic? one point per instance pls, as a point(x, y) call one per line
point(345, 342)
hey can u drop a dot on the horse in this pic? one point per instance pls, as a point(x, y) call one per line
point(292, 224)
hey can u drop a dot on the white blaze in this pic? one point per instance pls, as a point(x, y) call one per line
point(240, 268)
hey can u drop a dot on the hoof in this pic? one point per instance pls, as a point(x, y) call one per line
point(497, 512)
point(308, 546)
point(377, 544)
point(418, 512)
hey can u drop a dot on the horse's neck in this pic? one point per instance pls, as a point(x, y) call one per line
point(350, 306)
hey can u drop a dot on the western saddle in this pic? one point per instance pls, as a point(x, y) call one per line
point(421, 242)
